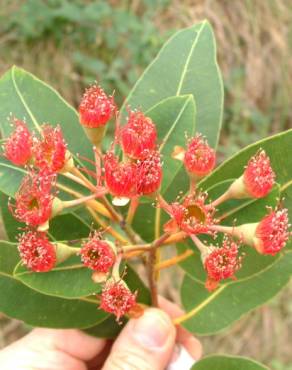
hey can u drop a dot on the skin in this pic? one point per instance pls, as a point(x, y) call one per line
point(146, 343)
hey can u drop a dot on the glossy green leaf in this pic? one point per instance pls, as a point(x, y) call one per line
point(20, 302)
point(70, 279)
point(212, 312)
point(220, 362)
point(185, 65)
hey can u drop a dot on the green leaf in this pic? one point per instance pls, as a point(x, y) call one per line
point(220, 362)
point(26, 97)
point(71, 279)
point(23, 303)
point(212, 312)
point(186, 64)
point(174, 117)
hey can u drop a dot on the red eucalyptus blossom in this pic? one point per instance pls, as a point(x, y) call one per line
point(36, 251)
point(272, 234)
point(50, 150)
point(149, 173)
point(199, 157)
point(192, 216)
point(117, 299)
point(97, 254)
point(96, 108)
point(259, 176)
point(138, 136)
point(34, 198)
point(221, 263)
point(120, 177)
point(18, 146)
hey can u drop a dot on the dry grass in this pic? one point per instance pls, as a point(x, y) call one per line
point(254, 46)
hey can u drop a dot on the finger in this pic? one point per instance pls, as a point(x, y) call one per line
point(70, 341)
point(186, 339)
point(145, 343)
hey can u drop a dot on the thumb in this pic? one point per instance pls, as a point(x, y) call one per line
point(145, 343)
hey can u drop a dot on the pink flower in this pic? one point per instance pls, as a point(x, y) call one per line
point(138, 136)
point(18, 146)
point(97, 254)
point(193, 216)
point(96, 108)
point(37, 252)
point(120, 177)
point(221, 263)
point(117, 299)
point(259, 176)
point(50, 151)
point(272, 232)
point(149, 173)
point(34, 198)
point(199, 157)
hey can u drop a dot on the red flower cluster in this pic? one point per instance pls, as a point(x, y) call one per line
point(34, 198)
point(192, 216)
point(142, 173)
point(50, 150)
point(272, 233)
point(97, 254)
point(259, 176)
point(116, 298)
point(221, 263)
point(138, 136)
point(18, 147)
point(199, 157)
point(36, 251)
point(96, 108)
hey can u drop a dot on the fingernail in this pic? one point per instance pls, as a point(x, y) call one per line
point(152, 329)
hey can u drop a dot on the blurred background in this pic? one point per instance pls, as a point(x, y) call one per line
point(71, 43)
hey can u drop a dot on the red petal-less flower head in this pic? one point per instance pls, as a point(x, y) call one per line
point(18, 146)
point(117, 299)
point(36, 251)
point(221, 263)
point(96, 108)
point(50, 151)
point(193, 216)
point(34, 198)
point(149, 173)
point(272, 232)
point(199, 157)
point(259, 176)
point(97, 254)
point(138, 136)
point(120, 177)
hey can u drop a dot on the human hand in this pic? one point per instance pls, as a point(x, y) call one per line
point(145, 343)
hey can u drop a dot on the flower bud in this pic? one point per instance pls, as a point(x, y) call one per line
point(270, 235)
point(257, 179)
point(95, 110)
